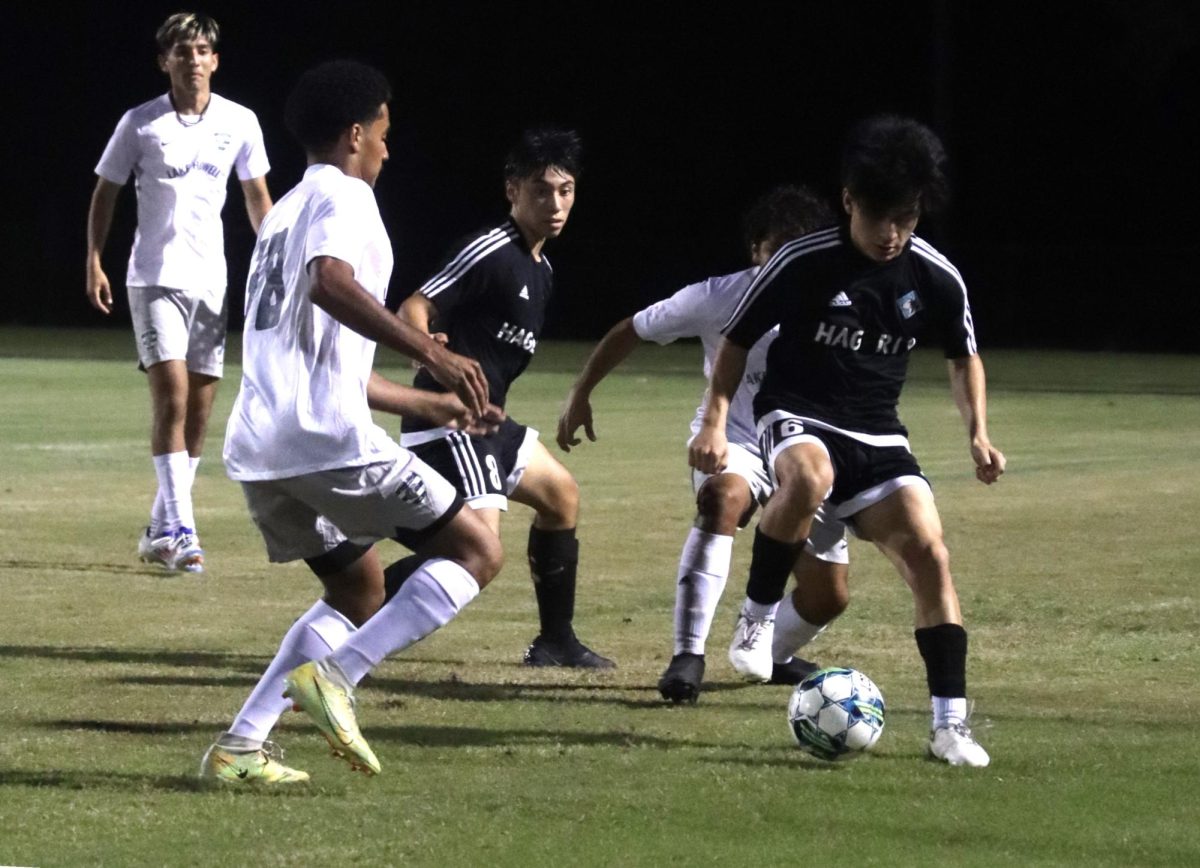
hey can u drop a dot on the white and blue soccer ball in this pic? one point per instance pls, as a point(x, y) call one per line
point(836, 713)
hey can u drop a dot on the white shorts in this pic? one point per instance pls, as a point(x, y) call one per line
point(307, 516)
point(827, 539)
point(173, 324)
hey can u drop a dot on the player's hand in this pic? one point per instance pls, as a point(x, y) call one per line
point(446, 409)
point(577, 412)
point(99, 292)
point(462, 376)
point(709, 451)
point(989, 462)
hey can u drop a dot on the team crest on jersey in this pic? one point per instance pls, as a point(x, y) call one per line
point(524, 293)
point(908, 304)
point(222, 140)
point(840, 300)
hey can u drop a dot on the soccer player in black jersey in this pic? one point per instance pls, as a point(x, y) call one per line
point(488, 302)
point(851, 302)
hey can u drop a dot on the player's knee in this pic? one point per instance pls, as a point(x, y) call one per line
point(484, 560)
point(560, 507)
point(722, 501)
point(928, 557)
point(805, 487)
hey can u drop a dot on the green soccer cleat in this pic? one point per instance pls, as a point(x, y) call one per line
point(248, 767)
point(323, 694)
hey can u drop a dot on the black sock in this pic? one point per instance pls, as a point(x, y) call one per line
point(553, 560)
point(944, 649)
point(395, 575)
point(770, 566)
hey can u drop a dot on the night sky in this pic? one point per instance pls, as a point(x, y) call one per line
point(1073, 133)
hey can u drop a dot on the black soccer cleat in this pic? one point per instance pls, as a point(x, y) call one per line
point(681, 680)
point(792, 672)
point(569, 652)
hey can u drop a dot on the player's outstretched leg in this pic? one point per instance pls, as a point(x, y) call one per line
point(260, 766)
point(323, 693)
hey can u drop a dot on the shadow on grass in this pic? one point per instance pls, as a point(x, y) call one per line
point(417, 735)
point(150, 656)
point(97, 780)
point(88, 567)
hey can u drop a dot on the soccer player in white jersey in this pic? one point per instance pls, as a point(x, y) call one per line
point(851, 303)
point(180, 147)
point(726, 500)
point(323, 483)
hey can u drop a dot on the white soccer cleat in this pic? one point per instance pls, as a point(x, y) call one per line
point(187, 555)
point(955, 744)
point(750, 650)
point(156, 550)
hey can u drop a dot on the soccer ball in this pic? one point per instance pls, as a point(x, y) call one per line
point(835, 713)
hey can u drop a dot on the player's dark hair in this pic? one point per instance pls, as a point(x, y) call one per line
point(785, 213)
point(891, 162)
point(332, 97)
point(541, 148)
point(186, 27)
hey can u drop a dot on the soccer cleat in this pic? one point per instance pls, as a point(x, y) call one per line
point(249, 767)
point(750, 650)
point(156, 550)
point(955, 744)
point(187, 556)
point(792, 672)
point(569, 652)
point(681, 680)
point(323, 694)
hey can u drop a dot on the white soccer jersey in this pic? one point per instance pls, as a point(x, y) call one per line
point(700, 310)
point(302, 406)
point(181, 171)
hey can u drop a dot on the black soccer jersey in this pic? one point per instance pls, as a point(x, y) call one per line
point(491, 298)
point(847, 325)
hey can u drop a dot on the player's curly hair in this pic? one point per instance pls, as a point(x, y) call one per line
point(784, 213)
point(186, 27)
point(332, 97)
point(539, 148)
point(891, 162)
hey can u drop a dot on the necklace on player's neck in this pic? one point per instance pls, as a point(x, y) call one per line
point(190, 120)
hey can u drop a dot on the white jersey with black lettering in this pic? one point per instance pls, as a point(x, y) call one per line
point(181, 171)
point(700, 310)
point(302, 406)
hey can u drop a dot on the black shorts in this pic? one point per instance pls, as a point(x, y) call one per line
point(484, 470)
point(863, 473)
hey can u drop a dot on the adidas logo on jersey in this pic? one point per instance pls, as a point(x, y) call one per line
point(524, 293)
point(840, 300)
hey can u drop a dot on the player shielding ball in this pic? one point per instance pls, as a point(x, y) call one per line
point(180, 147)
point(322, 481)
point(851, 303)
point(489, 302)
point(726, 500)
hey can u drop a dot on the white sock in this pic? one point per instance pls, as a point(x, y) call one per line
point(158, 515)
point(430, 598)
point(948, 711)
point(758, 611)
point(174, 485)
point(315, 634)
point(703, 571)
point(791, 631)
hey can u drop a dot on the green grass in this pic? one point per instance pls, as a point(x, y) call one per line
point(1077, 575)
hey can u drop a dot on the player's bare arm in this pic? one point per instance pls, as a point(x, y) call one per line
point(709, 447)
point(258, 200)
point(334, 289)
point(969, 386)
point(441, 408)
point(613, 348)
point(100, 214)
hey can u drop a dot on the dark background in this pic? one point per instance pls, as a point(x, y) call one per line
point(1072, 128)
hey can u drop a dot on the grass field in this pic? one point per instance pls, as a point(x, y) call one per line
point(1078, 575)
